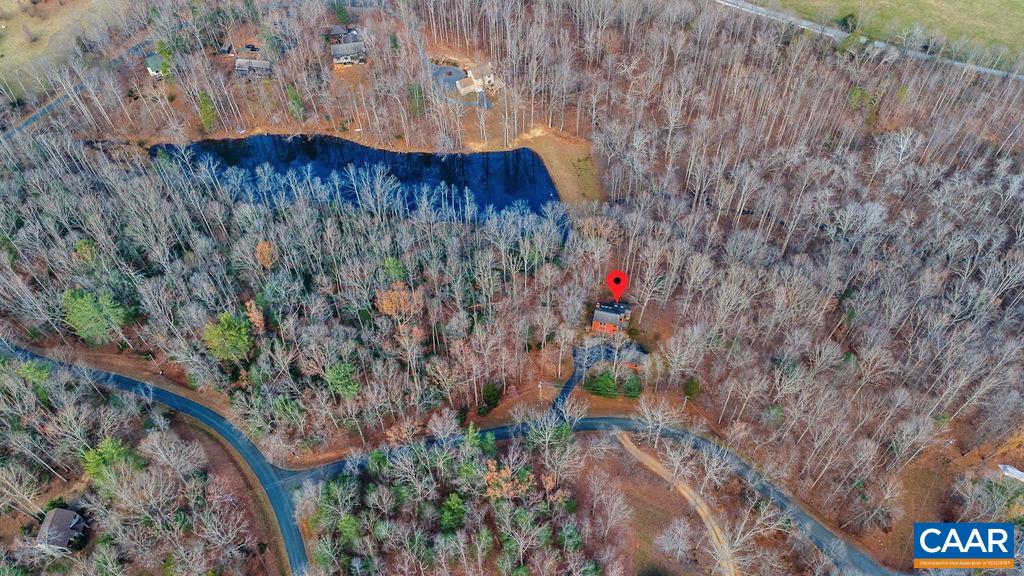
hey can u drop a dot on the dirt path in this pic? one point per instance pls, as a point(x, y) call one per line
point(691, 496)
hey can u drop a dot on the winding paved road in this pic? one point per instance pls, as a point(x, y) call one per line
point(279, 483)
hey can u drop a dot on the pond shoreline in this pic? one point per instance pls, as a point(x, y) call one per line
point(568, 158)
point(498, 180)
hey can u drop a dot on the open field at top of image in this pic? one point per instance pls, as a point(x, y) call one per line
point(36, 33)
point(987, 23)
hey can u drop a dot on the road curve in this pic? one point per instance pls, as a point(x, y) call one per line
point(278, 483)
point(270, 477)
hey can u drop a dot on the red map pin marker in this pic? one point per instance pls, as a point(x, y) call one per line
point(617, 282)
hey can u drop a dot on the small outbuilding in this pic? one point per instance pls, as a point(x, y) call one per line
point(611, 318)
point(154, 64)
point(60, 527)
point(226, 49)
point(337, 32)
point(466, 86)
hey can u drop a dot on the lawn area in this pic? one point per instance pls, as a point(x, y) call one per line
point(988, 23)
point(46, 32)
point(569, 162)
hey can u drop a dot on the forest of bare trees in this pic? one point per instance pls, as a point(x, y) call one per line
point(834, 235)
point(459, 506)
point(150, 501)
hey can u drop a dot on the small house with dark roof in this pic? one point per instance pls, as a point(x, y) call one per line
point(60, 527)
point(349, 49)
point(611, 318)
point(253, 67)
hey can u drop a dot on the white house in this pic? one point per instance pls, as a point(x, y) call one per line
point(476, 80)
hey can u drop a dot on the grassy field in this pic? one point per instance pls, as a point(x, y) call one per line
point(569, 162)
point(987, 23)
point(46, 32)
point(30, 32)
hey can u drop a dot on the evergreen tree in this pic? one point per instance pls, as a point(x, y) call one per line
point(341, 380)
point(453, 513)
point(207, 112)
point(230, 338)
point(93, 318)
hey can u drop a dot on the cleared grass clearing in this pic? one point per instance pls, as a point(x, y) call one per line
point(31, 33)
point(986, 23)
point(40, 36)
point(569, 162)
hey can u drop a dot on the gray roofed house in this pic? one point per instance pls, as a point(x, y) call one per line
point(154, 62)
point(611, 318)
point(350, 49)
point(249, 66)
point(60, 527)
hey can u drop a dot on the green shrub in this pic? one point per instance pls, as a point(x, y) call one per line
point(99, 462)
point(603, 385)
point(341, 380)
point(93, 318)
point(348, 530)
point(632, 387)
point(288, 411)
point(341, 11)
point(570, 538)
point(393, 268)
point(691, 388)
point(34, 372)
point(453, 513)
point(489, 445)
point(377, 463)
point(207, 112)
point(775, 415)
point(295, 105)
point(416, 100)
point(228, 339)
point(491, 396)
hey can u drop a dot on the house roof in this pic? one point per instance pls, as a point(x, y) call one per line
point(347, 49)
point(154, 61)
point(465, 83)
point(611, 313)
point(60, 526)
point(249, 64)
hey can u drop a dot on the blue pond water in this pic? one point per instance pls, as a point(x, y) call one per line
point(498, 179)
